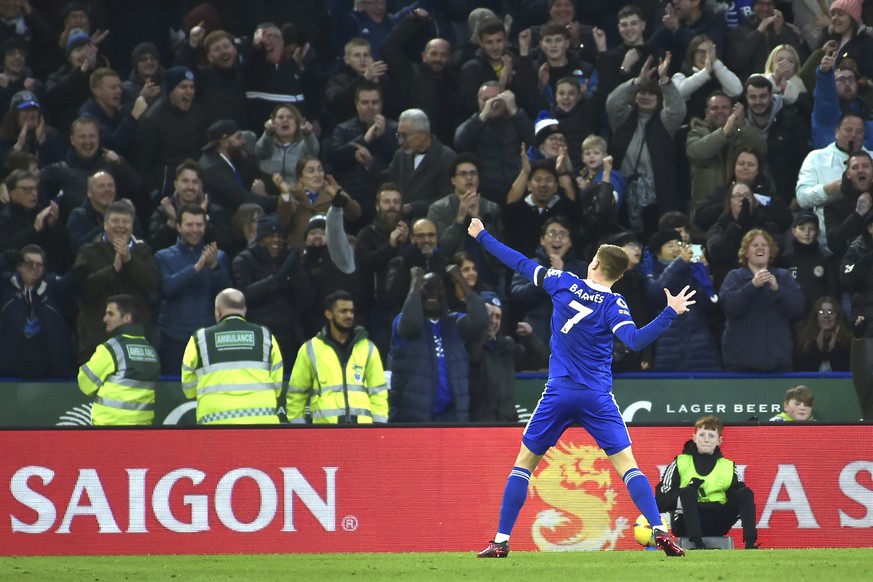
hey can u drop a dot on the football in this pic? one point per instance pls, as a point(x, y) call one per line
point(643, 532)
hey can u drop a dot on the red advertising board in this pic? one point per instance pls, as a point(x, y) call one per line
point(384, 489)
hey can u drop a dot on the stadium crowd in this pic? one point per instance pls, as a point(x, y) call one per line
point(170, 150)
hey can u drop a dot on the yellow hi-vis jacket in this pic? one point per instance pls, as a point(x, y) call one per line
point(123, 373)
point(343, 384)
point(234, 368)
point(715, 485)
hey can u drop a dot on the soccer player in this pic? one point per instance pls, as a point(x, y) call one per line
point(585, 316)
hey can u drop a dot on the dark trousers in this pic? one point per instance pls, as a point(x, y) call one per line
point(170, 353)
point(714, 519)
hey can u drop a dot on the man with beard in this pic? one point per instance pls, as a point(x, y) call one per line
point(378, 243)
point(430, 85)
point(356, 144)
point(171, 131)
point(423, 252)
point(116, 120)
point(220, 83)
point(837, 91)
point(84, 158)
point(429, 359)
point(844, 215)
point(192, 274)
point(227, 168)
point(277, 289)
point(495, 134)
point(778, 131)
point(188, 190)
point(452, 214)
point(821, 176)
point(338, 372)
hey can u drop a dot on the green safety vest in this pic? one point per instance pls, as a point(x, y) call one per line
point(123, 373)
point(715, 485)
point(235, 370)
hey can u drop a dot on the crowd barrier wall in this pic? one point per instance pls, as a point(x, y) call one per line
point(393, 489)
point(643, 399)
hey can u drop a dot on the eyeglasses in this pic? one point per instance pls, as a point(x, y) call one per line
point(827, 312)
point(558, 235)
point(467, 174)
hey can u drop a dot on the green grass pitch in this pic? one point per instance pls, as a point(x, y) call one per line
point(822, 565)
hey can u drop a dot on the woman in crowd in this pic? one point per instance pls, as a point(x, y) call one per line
point(759, 302)
point(702, 74)
point(24, 130)
point(781, 69)
point(244, 227)
point(286, 139)
point(467, 265)
point(823, 342)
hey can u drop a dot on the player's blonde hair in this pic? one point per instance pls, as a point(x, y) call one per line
point(709, 422)
point(613, 261)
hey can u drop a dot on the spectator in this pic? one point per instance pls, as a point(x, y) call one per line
point(16, 75)
point(861, 377)
point(192, 272)
point(455, 294)
point(67, 88)
point(838, 89)
point(781, 69)
point(423, 253)
point(85, 157)
point(844, 215)
point(526, 215)
point(645, 116)
point(555, 251)
point(116, 120)
point(338, 373)
point(821, 175)
point(171, 131)
point(683, 20)
point(86, 222)
point(287, 137)
point(759, 303)
point(378, 243)
point(780, 133)
point(116, 264)
point(492, 62)
point(845, 29)
point(229, 169)
point(494, 361)
point(24, 221)
point(221, 380)
point(707, 488)
point(494, 134)
point(358, 143)
point(420, 166)
point(369, 20)
point(38, 341)
point(188, 189)
point(146, 74)
point(24, 130)
point(597, 169)
point(124, 370)
point(759, 34)
point(702, 73)
point(339, 97)
point(814, 268)
point(432, 84)
point(277, 289)
point(856, 271)
point(20, 20)
point(311, 195)
point(688, 345)
point(573, 114)
point(823, 342)
point(557, 60)
point(430, 360)
point(452, 214)
point(244, 227)
point(797, 405)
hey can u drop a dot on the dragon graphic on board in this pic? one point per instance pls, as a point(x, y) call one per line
point(581, 498)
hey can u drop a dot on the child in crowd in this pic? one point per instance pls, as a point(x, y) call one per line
point(797, 405)
point(573, 114)
point(597, 168)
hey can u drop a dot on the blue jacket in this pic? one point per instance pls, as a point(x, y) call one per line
point(826, 112)
point(757, 332)
point(688, 344)
point(188, 295)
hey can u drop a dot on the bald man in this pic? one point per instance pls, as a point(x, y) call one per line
point(234, 368)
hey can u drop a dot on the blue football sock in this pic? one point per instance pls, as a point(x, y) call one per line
point(514, 496)
point(641, 492)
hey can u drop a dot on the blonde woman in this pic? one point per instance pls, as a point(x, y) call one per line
point(781, 70)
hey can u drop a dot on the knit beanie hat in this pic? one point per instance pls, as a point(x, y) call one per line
point(545, 126)
point(661, 238)
point(317, 221)
point(850, 7)
point(176, 75)
point(269, 224)
point(77, 38)
point(144, 48)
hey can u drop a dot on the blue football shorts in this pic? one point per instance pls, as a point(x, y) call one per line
point(560, 408)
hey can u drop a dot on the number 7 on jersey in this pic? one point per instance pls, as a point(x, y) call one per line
point(581, 313)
